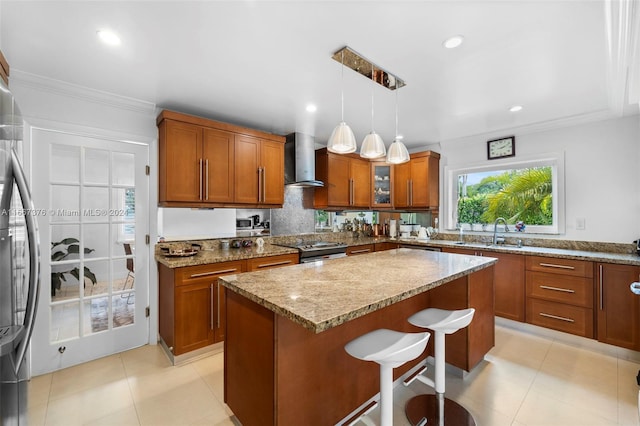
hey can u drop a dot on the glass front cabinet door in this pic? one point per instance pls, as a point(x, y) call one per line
point(381, 185)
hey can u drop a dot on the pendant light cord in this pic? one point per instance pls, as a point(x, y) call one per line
point(396, 136)
point(372, 87)
point(342, 86)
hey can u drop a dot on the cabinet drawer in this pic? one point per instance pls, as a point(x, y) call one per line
point(579, 268)
point(190, 274)
point(561, 317)
point(560, 288)
point(272, 262)
point(363, 249)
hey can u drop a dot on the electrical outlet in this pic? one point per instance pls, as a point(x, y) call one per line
point(580, 224)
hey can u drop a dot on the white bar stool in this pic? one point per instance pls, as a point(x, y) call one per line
point(390, 349)
point(436, 409)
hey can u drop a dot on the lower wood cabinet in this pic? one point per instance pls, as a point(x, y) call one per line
point(618, 309)
point(192, 302)
point(508, 282)
point(385, 246)
point(361, 249)
point(560, 294)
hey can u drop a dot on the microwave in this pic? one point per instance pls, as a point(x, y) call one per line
point(244, 223)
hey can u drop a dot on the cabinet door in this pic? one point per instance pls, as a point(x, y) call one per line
point(509, 285)
point(361, 183)
point(218, 154)
point(402, 176)
point(381, 185)
point(247, 162)
point(338, 183)
point(194, 316)
point(272, 180)
point(180, 155)
point(618, 308)
point(419, 182)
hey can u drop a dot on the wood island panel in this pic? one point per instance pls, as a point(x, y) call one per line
point(278, 372)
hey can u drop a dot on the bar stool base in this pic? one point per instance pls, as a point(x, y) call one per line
point(426, 406)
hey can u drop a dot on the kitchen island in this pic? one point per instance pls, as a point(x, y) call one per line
point(286, 329)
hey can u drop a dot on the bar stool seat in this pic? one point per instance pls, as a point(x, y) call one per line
point(390, 349)
point(436, 409)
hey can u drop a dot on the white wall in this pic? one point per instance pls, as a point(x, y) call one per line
point(602, 173)
point(181, 223)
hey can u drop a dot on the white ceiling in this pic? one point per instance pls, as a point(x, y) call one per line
point(259, 63)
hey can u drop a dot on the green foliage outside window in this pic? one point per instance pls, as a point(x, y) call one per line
point(517, 195)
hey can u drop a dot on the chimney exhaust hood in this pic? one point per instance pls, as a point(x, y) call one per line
point(300, 161)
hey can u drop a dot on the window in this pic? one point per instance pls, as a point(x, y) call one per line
point(529, 191)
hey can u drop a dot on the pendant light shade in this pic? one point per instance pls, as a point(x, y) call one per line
point(372, 145)
point(342, 140)
point(398, 153)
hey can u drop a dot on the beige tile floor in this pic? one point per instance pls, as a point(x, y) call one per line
point(525, 380)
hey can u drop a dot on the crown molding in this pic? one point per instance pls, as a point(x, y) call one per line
point(62, 88)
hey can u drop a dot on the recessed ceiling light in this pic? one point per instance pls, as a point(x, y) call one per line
point(108, 37)
point(453, 42)
point(311, 108)
point(515, 108)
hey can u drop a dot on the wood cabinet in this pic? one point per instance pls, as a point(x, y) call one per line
point(385, 246)
point(192, 308)
point(259, 170)
point(205, 163)
point(271, 262)
point(361, 249)
point(618, 309)
point(560, 294)
point(347, 181)
point(416, 183)
point(193, 304)
point(508, 281)
point(381, 185)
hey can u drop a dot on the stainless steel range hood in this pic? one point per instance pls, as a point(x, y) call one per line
point(300, 161)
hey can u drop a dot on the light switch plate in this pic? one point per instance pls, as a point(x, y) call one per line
point(580, 224)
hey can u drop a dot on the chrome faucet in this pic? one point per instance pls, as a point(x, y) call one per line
point(496, 238)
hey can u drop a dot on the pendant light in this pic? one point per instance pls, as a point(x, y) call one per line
point(372, 145)
point(398, 153)
point(342, 140)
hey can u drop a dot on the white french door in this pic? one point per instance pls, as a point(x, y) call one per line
point(91, 199)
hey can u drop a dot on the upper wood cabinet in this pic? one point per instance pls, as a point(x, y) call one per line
point(205, 163)
point(347, 181)
point(416, 183)
point(381, 185)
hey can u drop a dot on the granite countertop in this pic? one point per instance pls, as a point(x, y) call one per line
point(216, 255)
point(561, 253)
point(325, 294)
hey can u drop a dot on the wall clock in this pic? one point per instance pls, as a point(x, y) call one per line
point(501, 148)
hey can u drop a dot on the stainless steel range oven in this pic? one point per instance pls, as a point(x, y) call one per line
point(315, 251)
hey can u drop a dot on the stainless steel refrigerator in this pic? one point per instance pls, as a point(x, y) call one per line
point(19, 266)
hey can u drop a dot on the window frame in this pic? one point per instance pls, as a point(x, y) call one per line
point(554, 160)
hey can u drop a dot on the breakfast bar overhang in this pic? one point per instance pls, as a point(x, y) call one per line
point(286, 329)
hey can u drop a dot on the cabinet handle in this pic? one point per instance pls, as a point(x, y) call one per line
point(211, 289)
point(601, 287)
point(351, 192)
point(207, 274)
point(268, 265)
point(553, 265)
point(206, 181)
point(542, 314)
point(360, 251)
point(565, 290)
point(259, 184)
point(200, 190)
point(264, 180)
point(218, 307)
point(411, 204)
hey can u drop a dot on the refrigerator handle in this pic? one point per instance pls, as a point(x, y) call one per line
point(34, 259)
